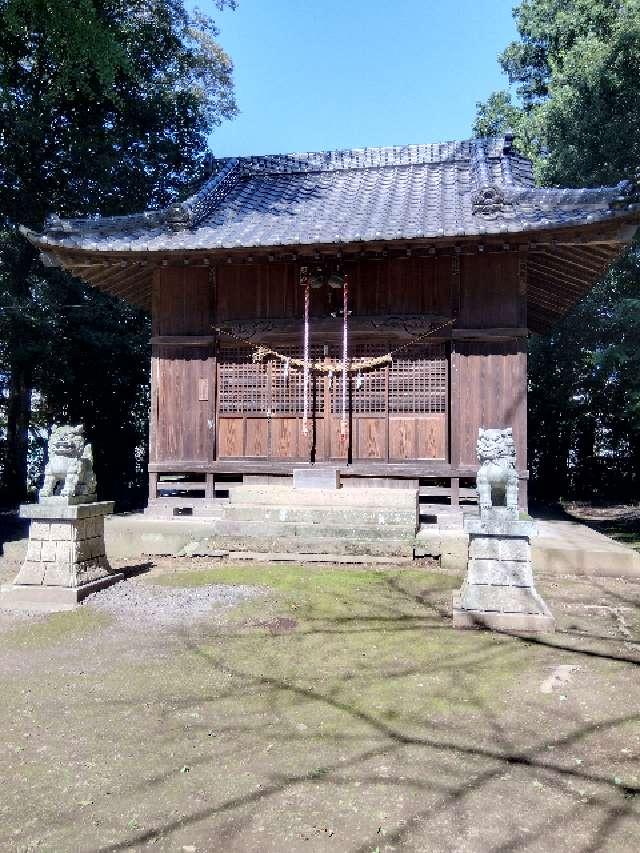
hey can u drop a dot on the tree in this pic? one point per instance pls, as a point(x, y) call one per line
point(104, 105)
point(575, 110)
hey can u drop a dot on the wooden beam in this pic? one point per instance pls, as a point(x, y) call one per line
point(183, 340)
point(489, 334)
point(559, 270)
point(556, 269)
point(571, 258)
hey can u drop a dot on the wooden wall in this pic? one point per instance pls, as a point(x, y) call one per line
point(411, 286)
point(490, 389)
point(485, 292)
point(182, 424)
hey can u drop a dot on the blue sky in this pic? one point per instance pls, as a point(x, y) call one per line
point(312, 76)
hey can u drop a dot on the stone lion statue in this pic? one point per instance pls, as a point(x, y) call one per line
point(497, 480)
point(69, 470)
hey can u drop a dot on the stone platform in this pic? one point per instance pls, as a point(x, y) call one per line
point(52, 598)
point(561, 548)
point(318, 523)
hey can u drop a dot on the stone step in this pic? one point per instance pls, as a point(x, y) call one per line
point(286, 495)
point(317, 545)
point(333, 559)
point(326, 515)
point(294, 529)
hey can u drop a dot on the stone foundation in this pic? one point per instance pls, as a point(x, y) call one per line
point(499, 592)
point(65, 551)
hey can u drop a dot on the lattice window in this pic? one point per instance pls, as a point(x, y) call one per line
point(242, 385)
point(368, 392)
point(418, 381)
point(287, 394)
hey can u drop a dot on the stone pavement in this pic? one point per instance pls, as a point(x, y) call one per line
point(568, 547)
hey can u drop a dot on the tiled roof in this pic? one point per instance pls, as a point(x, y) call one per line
point(406, 192)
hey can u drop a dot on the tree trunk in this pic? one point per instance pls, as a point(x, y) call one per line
point(20, 338)
point(14, 485)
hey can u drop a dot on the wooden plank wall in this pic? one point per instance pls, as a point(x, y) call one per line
point(183, 374)
point(491, 392)
point(411, 286)
point(489, 292)
point(184, 395)
point(488, 377)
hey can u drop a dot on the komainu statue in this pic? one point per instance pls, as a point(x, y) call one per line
point(69, 471)
point(497, 479)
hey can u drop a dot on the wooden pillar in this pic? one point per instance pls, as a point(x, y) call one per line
point(213, 366)
point(454, 371)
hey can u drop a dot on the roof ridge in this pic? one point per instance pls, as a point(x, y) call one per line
point(373, 156)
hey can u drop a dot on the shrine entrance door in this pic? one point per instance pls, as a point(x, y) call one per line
point(394, 412)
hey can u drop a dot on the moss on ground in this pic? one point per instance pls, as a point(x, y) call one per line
point(331, 713)
point(55, 628)
point(369, 644)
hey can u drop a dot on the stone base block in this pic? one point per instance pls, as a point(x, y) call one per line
point(500, 572)
point(316, 478)
point(502, 599)
point(67, 500)
point(500, 525)
point(61, 572)
point(509, 623)
point(525, 611)
point(51, 599)
point(66, 545)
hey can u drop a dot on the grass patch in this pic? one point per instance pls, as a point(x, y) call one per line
point(55, 628)
point(362, 645)
point(328, 592)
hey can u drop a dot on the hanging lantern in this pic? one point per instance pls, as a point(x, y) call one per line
point(317, 279)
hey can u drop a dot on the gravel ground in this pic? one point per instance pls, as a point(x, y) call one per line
point(141, 603)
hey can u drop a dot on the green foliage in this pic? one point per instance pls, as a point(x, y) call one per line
point(576, 113)
point(105, 105)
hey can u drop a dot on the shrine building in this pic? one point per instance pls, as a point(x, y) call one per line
point(366, 310)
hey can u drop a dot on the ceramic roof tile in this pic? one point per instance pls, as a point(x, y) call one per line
point(400, 193)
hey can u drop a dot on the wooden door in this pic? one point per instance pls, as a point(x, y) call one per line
point(260, 408)
point(393, 413)
point(418, 404)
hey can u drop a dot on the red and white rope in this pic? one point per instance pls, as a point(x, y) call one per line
point(305, 381)
point(345, 345)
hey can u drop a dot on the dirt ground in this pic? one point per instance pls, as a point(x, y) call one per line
point(335, 711)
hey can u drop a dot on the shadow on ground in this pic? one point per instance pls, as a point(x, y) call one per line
point(338, 712)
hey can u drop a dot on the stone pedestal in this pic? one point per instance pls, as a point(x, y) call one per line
point(499, 592)
point(65, 558)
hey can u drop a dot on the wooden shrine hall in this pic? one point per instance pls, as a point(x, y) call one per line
point(363, 309)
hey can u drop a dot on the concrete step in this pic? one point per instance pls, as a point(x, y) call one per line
point(294, 529)
point(288, 496)
point(326, 515)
